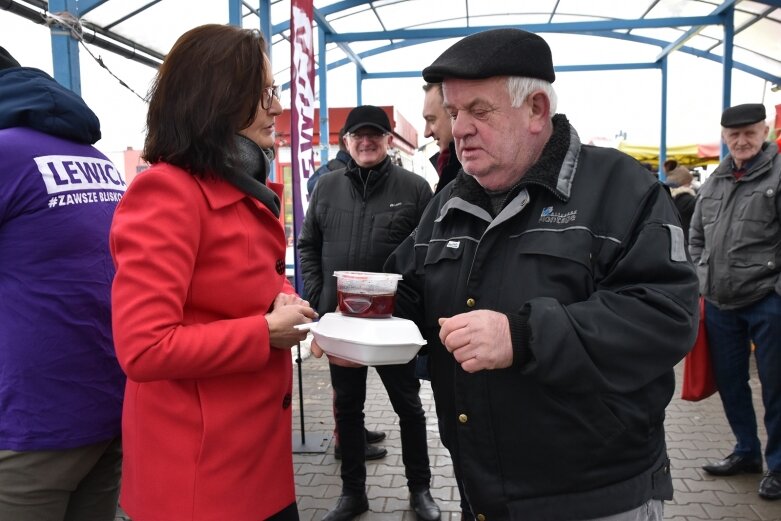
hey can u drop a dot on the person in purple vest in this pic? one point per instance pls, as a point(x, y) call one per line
point(61, 387)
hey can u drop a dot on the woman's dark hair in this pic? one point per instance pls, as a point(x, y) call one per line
point(207, 89)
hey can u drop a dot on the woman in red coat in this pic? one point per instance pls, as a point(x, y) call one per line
point(203, 315)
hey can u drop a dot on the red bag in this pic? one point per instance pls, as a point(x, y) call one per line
point(698, 381)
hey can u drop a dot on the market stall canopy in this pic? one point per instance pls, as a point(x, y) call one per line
point(687, 155)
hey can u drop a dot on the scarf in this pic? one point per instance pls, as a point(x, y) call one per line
point(248, 172)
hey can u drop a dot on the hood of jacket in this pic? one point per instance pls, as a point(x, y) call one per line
point(31, 98)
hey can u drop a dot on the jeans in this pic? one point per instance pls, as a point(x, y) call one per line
point(349, 384)
point(730, 334)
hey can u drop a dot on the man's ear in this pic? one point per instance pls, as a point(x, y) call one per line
point(539, 106)
point(390, 140)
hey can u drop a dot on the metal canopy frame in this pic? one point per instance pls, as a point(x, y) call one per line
point(68, 21)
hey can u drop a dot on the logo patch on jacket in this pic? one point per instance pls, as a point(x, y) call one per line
point(551, 217)
point(453, 244)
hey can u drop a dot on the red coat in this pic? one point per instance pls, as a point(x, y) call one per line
point(207, 417)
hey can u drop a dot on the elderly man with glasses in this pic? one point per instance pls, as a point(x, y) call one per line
point(356, 218)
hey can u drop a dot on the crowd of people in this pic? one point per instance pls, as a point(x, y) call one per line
point(146, 329)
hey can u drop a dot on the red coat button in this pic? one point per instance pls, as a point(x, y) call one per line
point(280, 266)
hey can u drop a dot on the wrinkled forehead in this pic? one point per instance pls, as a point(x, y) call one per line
point(466, 90)
point(759, 126)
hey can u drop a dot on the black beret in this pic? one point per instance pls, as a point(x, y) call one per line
point(6, 60)
point(367, 116)
point(742, 115)
point(498, 52)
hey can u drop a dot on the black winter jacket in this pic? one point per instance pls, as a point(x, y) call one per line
point(450, 170)
point(587, 261)
point(352, 225)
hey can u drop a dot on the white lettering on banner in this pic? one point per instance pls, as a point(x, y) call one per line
point(79, 173)
point(303, 52)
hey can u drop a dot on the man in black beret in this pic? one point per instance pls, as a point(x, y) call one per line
point(551, 282)
point(734, 241)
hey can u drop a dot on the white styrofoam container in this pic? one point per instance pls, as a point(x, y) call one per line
point(368, 341)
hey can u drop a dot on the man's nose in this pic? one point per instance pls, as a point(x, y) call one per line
point(461, 126)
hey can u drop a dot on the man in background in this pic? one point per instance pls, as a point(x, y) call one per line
point(438, 127)
point(355, 218)
point(445, 161)
point(373, 452)
point(61, 387)
point(734, 243)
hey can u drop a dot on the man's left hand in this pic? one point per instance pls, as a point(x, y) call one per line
point(478, 340)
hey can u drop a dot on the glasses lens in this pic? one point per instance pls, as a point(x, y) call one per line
point(373, 136)
point(268, 96)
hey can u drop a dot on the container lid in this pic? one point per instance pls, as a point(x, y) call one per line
point(367, 275)
point(369, 331)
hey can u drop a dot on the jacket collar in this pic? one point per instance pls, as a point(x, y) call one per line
point(452, 158)
point(220, 193)
point(758, 164)
point(380, 171)
point(554, 171)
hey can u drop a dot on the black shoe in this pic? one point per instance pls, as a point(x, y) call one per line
point(347, 508)
point(734, 464)
point(374, 436)
point(770, 486)
point(423, 505)
point(372, 452)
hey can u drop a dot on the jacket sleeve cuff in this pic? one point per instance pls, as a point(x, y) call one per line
point(520, 335)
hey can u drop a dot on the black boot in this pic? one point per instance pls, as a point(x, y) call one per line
point(372, 452)
point(770, 486)
point(348, 507)
point(374, 436)
point(734, 464)
point(424, 506)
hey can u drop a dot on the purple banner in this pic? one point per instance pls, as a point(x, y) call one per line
point(302, 114)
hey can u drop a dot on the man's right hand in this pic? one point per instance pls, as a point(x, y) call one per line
point(317, 352)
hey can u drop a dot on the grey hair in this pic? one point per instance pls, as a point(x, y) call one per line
point(520, 88)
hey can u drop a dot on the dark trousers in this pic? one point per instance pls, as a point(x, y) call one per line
point(403, 388)
point(80, 484)
point(730, 334)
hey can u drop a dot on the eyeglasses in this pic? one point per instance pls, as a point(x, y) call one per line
point(371, 136)
point(268, 96)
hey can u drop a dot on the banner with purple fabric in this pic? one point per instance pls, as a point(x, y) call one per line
point(302, 114)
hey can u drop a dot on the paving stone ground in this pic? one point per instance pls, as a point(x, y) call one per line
point(697, 433)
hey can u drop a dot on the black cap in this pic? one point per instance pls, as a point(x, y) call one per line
point(367, 116)
point(6, 60)
point(742, 115)
point(498, 52)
